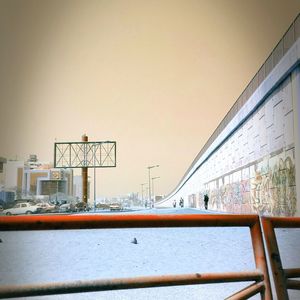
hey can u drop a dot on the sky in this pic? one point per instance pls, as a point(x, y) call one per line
point(157, 77)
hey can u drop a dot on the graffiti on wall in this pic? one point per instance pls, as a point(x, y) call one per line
point(270, 189)
point(274, 193)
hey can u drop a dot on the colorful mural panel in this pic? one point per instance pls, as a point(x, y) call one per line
point(269, 190)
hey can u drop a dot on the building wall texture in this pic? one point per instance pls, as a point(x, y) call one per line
point(251, 164)
point(254, 170)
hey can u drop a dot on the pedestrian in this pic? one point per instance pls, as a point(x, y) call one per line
point(181, 202)
point(174, 203)
point(206, 198)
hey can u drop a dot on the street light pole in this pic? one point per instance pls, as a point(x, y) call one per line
point(142, 184)
point(56, 190)
point(153, 188)
point(149, 168)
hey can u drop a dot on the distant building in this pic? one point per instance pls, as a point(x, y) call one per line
point(6, 197)
point(11, 173)
point(35, 178)
point(77, 187)
point(2, 162)
point(158, 198)
point(48, 181)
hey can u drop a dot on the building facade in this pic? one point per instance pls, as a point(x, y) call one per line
point(36, 179)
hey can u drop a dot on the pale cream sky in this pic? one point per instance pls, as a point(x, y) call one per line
point(155, 76)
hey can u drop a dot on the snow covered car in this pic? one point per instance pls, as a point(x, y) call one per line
point(21, 208)
point(81, 206)
point(64, 208)
point(46, 208)
point(115, 206)
point(67, 207)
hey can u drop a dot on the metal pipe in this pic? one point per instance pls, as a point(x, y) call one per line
point(275, 260)
point(149, 168)
point(84, 174)
point(145, 204)
point(94, 189)
point(153, 178)
point(260, 258)
point(53, 222)
point(292, 273)
point(283, 222)
point(247, 292)
point(293, 284)
point(126, 283)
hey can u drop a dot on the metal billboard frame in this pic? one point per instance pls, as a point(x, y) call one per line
point(85, 154)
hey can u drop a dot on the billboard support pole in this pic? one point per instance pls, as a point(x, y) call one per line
point(85, 155)
point(84, 175)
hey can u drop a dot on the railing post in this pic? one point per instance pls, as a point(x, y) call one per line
point(260, 258)
point(275, 260)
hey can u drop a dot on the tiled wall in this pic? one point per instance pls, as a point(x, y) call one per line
point(254, 170)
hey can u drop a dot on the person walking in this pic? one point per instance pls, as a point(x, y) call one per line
point(206, 198)
point(181, 202)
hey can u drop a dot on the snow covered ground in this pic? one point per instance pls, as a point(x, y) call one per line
point(52, 256)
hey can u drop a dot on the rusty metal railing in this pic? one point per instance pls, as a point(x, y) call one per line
point(281, 276)
point(260, 275)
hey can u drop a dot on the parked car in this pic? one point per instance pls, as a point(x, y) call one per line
point(67, 207)
point(115, 206)
point(102, 206)
point(46, 207)
point(81, 206)
point(21, 208)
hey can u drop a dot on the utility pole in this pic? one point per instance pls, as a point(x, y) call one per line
point(153, 178)
point(94, 189)
point(84, 174)
point(142, 184)
point(149, 168)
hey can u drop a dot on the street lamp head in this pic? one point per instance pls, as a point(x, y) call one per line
point(150, 167)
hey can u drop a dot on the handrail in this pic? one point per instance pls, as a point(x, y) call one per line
point(53, 222)
point(260, 275)
point(126, 283)
point(281, 276)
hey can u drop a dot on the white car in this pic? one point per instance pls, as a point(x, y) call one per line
point(67, 207)
point(21, 208)
point(115, 206)
point(46, 207)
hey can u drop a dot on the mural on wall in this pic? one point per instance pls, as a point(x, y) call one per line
point(253, 171)
point(274, 192)
point(269, 190)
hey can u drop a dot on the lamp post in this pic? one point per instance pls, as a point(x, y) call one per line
point(149, 168)
point(142, 184)
point(153, 178)
point(56, 191)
